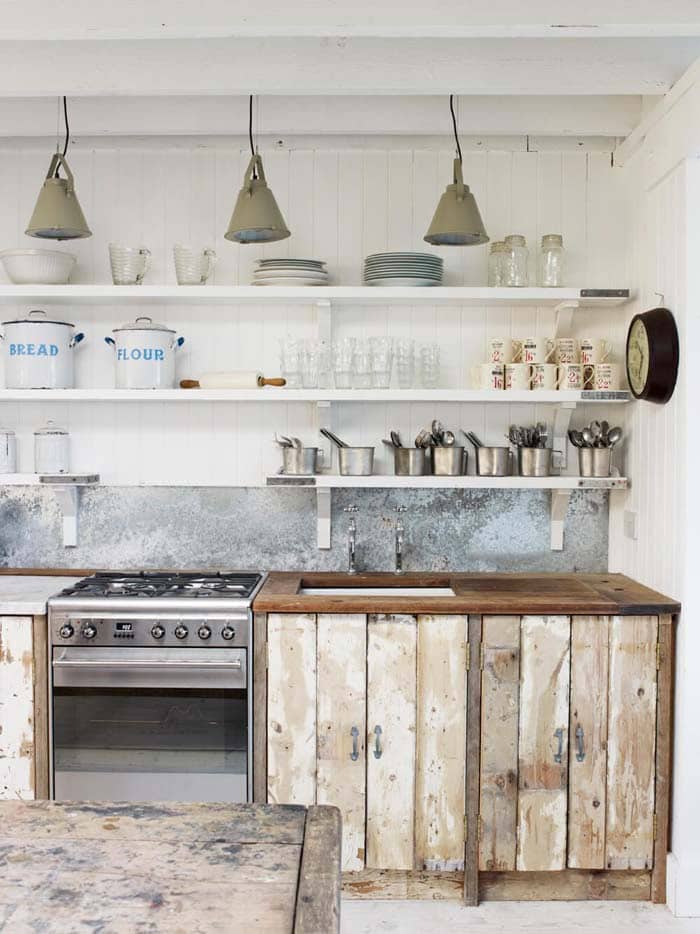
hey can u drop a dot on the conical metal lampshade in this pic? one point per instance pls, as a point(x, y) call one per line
point(457, 221)
point(256, 217)
point(57, 214)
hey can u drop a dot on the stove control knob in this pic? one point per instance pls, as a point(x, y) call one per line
point(66, 631)
point(228, 632)
point(157, 631)
point(204, 632)
point(88, 631)
point(181, 632)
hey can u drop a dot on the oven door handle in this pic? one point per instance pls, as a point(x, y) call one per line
point(76, 663)
point(73, 670)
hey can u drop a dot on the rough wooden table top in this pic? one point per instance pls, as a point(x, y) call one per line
point(592, 594)
point(185, 868)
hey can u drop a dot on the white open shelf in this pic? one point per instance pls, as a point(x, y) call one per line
point(272, 394)
point(140, 295)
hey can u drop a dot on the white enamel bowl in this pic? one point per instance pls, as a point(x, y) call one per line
point(38, 267)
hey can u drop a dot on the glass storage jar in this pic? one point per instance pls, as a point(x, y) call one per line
point(551, 265)
point(515, 259)
point(496, 264)
point(51, 450)
point(8, 451)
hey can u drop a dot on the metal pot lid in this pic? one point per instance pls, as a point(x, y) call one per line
point(37, 319)
point(51, 428)
point(143, 324)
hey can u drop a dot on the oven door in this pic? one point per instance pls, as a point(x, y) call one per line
point(141, 724)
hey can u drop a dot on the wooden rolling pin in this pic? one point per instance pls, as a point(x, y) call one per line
point(235, 379)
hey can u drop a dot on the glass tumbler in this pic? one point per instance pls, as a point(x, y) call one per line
point(381, 351)
point(362, 378)
point(430, 365)
point(290, 361)
point(343, 362)
point(311, 364)
point(405, 362)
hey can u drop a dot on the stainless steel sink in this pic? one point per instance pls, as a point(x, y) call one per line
point(377, 591)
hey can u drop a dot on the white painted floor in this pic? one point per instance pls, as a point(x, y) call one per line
point(361, 916)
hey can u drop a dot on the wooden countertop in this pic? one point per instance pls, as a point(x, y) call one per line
point(596, 594)
point(169, 867)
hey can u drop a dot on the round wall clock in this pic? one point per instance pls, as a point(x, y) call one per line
point(652, 355)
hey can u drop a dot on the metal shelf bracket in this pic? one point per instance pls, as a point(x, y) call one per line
point(323, 517)
point(67, 489)
point(563, 318)
point(559, 508)
point(560, 437)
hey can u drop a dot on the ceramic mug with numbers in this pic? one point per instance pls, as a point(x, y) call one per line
point(505, 350)
point(488, 376)
point(538, 350)
point(594, 351)
point(544, 375)
point(566, 350)
point(606, 377)
point(570, 376)
point(518, 376)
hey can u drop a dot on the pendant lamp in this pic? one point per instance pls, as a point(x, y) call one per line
point(256, 217)
point(57, 213)
point(457, 221)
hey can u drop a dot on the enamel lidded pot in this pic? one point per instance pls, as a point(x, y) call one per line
point(38, 352)
point(145, 354)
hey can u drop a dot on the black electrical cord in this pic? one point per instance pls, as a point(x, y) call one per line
point(250, 132)
point(67, 140)
point(454, 126)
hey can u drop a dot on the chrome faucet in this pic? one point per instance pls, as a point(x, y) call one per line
point(399, 539)
point(352, 535)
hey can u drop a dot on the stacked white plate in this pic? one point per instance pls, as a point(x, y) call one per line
point(290, 272)
point(403, 269)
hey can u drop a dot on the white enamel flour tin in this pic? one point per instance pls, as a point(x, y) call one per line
point(38, 352)
point(145, 355)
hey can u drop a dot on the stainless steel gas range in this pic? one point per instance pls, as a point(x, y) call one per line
point(151, 687)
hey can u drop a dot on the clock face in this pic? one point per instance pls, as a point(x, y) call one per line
point(638, 356)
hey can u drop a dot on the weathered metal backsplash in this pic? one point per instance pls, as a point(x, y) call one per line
point(274, 529)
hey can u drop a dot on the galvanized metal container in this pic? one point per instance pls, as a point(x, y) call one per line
point(594, 462)
point(356, 462)
point(409, 462)
point(534, 462)
point(493, 462)
point(448, 461)
point(299, 461)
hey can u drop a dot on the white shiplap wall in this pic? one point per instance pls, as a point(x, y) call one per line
point(340, 205)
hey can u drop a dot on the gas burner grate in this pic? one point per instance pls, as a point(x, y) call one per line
point(158, 584)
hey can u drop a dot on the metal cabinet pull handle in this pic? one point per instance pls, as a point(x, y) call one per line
point(377, 744)
point(355, 754)
point(580, 751)
point(559, 734)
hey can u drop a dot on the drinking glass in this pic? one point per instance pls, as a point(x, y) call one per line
point(290, 361)
point(362, 378)
point(430, 365)
point(343, 362)
point(193, 267)
point(311, 364)
point(381, 351)
point(405, 362)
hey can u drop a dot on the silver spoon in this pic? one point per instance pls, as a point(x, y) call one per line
point(614, 435)
point(587, 436)
point(448, 439)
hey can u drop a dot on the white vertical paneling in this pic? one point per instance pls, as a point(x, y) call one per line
point(340, 205)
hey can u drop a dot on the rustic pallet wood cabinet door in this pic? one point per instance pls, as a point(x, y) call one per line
point(19, 736)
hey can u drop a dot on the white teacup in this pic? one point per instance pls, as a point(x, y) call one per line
point(488, 376)
point(193, 267)
point(538, 350)
point(518, 376)
point(544, 375)
point(570, 376)
point(566, 350)
point(505, 350)
point(606, 377)
point(129, 263)
point(594, 351)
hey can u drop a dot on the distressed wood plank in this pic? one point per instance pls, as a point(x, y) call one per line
point(441, 735)
point(500, 689)
point(471, 846)
point(544, 710)
point(16, 708)
point(569, 885)
point(664, 754)
point(631, 742)
point(588, 734)
point(391, 705)
point(41, 706)
point(341, 707)
point(318, 895)
point(291, 729)
point(400, 884)
point(260, 708)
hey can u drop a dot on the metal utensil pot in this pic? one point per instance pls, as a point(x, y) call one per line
point(299, 461)
point(493, 462)
point(356, 462)
point(409, 462)
point(448, 462)
point(594, 462)
point(534, 462)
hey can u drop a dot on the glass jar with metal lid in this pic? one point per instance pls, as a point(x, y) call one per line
point(51, 449)
point(8, 451)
